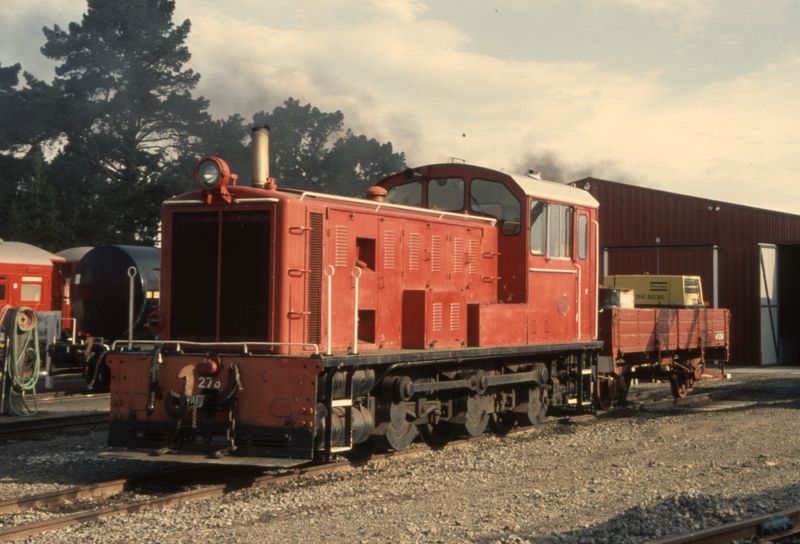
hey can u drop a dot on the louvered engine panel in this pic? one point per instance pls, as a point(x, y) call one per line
point(314, 285)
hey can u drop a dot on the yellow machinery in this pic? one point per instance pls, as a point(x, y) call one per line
point(661, 291)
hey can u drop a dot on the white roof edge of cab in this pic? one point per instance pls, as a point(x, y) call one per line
point(554, 191)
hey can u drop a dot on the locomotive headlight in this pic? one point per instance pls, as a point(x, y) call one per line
point(211, 173)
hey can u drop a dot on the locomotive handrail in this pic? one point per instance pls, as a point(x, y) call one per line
point(73, 326)
point(178, 344)
point(378, 205)
point(170, 202)
point(355, 307)
point(261, 199)
point(553, 270)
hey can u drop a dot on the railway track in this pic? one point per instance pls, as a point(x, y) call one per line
point(61, 396)
point(25, 428)
point(244, 479)
point(173, 477)
point(766, 528)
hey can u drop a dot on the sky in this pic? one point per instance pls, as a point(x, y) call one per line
point(698, 97)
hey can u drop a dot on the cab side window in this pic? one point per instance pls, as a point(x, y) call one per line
point(538, 227)
point(408, 194)
point(583, 236)
point(560, 235)
point(3, 287)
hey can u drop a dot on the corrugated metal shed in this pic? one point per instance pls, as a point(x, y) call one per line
point(647, 230)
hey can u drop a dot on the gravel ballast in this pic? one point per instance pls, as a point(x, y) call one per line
point(628, 476)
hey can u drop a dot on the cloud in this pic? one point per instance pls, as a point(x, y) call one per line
point(400, 74)
point(681, 9)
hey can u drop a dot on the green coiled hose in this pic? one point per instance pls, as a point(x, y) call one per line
point(23, 373)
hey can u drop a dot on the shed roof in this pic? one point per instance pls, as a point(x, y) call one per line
point(20, 253)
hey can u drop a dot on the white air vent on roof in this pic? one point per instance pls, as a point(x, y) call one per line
point(533, 174)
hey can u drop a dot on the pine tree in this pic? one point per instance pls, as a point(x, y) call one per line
point(126, 111)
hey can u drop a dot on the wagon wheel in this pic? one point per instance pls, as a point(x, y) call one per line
point(604, 395)
point(475, 417)
point(502, 422)
point(436, 434)
point(533, 411)
point(679, 386)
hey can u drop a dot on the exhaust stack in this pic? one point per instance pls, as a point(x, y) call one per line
point(261, 177)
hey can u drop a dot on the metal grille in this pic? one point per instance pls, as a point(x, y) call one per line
point(341, 246)
point(194, 276)
point(245, 268)
point(455, 316)
point(436, 321)
point(436, 253)
point(388, 250)
point(414, 244)
point(458, 255)
point(473, 256)
point(315, 279)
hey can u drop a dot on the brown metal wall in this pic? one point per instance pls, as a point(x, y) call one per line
point(632, 218)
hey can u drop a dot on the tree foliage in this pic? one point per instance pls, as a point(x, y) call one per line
point(88, 158)
point(308, 151)
point(126, 112)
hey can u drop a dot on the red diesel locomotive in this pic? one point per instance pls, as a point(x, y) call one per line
point(295, 325)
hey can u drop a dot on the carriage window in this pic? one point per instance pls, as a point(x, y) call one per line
point(2, 291)
point(583, 236)
point(560, 235)
point(446, 194)
point(538, 227)
point(492, 198)
point(31, 292)
point(409, 194)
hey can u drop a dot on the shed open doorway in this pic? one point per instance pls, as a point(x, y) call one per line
point(779, 302)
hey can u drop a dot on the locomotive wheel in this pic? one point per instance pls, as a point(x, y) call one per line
point(533, 411)
point(397, 433)
point(475, 416)
point(436, 434)
point(502, 422)
point(679, 386)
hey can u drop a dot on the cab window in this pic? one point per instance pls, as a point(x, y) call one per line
point(583, 236)
point(538, 227)
point(560, 231)
point(408, 194)
point(492, 198)
point(446, 194)
point(3, 287)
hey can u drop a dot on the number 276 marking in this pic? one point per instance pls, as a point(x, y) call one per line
point(209, 382)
